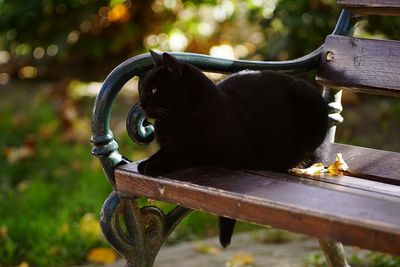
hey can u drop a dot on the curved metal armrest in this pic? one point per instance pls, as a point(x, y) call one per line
point(106, 148)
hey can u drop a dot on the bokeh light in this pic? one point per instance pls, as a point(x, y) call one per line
point(4, 56)
point(28, 72)
point(223, 51)
point(39, 52)
point(52, 50)
point(178, 41)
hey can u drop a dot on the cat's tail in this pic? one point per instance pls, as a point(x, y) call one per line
point(226, 226)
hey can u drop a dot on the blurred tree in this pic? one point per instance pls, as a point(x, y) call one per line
point(85, 39)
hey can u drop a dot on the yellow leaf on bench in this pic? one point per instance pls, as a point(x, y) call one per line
point(315, 169)
point(338, 166)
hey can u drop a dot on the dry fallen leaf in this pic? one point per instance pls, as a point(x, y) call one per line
point(23, 264)
point(47, 130)
point(3, 231)
point(64, 229)
point(240, 260)
point(54, 251)
point(15, 154)
point(338, 166)
point(89, 226)
point(102, 255)
point(335, 169)
point(207, 249)
point(315, 169)
point(23, 186)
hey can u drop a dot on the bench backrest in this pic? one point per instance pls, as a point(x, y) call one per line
point(372, 7)
point(364, 65)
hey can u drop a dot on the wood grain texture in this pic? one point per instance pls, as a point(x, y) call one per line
point(372, 7)
point(372, 164)
point(351, 215)
point(364, 65)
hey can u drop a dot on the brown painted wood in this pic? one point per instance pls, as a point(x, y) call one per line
point(351, 215)
point(372, 164)
point(364, 65)
point(372, 7)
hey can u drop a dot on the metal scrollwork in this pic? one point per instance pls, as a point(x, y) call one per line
point(335, 108)
point(137, 126)
point(145, 228)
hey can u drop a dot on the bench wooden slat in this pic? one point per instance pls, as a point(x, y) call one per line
point(364, 65)
point(372, 164)
point(345, 183)
point(352, 216)
point(372, 7)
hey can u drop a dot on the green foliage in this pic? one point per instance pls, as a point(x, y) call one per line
point(380, 113)
point(357, 259)
point(315, 260)
point(31, 24)
point(45, 194)
point(382, 260)
point(381, 27)
point(92, 35)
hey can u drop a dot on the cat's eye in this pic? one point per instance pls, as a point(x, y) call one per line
point(154, 91)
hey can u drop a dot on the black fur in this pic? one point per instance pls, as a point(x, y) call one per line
point(251, 120)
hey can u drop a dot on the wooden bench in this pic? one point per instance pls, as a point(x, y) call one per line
point(360, 208)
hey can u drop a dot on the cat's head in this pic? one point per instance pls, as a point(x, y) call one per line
point(165, 88)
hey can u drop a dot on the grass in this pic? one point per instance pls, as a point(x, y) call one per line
point(46, 191)
point(361, 259)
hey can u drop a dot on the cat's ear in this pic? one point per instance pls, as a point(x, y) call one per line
point(158, 59)
point(172, 64)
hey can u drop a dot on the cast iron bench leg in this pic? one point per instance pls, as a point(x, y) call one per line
point(334, 253)
point(145, 229)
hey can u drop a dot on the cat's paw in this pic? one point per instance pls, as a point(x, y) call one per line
point(146, 168)
point(142, 167)
point(151, 172)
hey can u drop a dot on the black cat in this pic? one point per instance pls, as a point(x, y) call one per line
point(258, 120)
